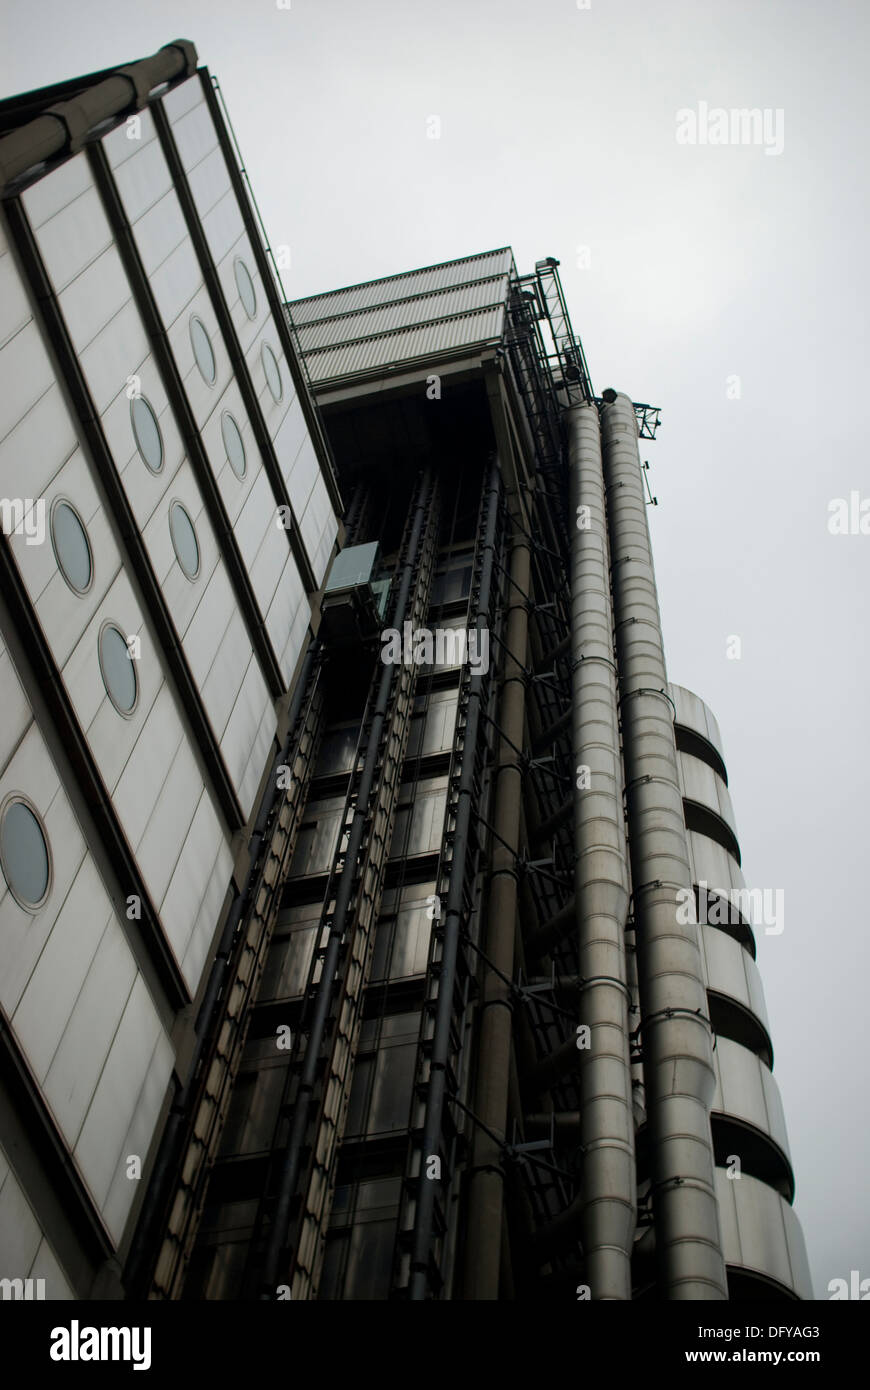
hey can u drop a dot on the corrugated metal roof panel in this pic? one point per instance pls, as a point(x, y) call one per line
point(374, 292)
point(403, 313)
point(367, 354)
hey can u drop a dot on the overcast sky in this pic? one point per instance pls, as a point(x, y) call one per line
point(703, 263)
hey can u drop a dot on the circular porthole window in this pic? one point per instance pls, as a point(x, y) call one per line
point(245, 287)
point(184, 540)
point(24, 853)
point(71, 546)
point(203, 350)
point(146, 432)
point(118, 669)
point(273, 373)
point(234, 444)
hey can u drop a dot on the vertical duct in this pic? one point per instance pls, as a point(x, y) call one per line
point(609, 1194)
point(677, 1047)
point(486, 1189)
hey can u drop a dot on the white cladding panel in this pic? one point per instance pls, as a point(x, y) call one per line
point(67, 978)
point(150, 496)
point(14, 308)
point(228, 242)
point(138, 167)
point(183, 97)
point(243, 726)
point(39, 455)
point(24, 1251)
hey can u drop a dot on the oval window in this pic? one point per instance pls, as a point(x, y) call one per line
point(203, 350)
point(234, 444)
point(146, 432)
point(245, 287)
point(273, 373)
point(71, 546)
point(24, 853)
point(184, 540)
point(117, 669)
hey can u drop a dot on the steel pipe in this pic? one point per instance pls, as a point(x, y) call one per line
point(677, 1048)
point(486, 1187)
point(65, 126)
point(608, 1207)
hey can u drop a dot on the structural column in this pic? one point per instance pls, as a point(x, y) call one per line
point(486, 1189)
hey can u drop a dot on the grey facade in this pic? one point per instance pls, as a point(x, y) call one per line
point(405, 971)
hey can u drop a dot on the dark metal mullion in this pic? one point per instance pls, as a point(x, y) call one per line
point(181, 409)
point(279, 310)
point(233, 346)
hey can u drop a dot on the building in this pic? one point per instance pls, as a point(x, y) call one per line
point(372, 922)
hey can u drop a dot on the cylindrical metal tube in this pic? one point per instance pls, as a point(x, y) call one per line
point(609, 1196)
point(486, 1189)
point(677, 1046)
point(66, 124)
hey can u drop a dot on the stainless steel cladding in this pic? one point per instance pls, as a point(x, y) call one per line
point(407, 345)
point(609, 1194)
point(678, 1063)
point(401, 314)
point(429, 280)
point(762, 1235)
point(425, 316)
